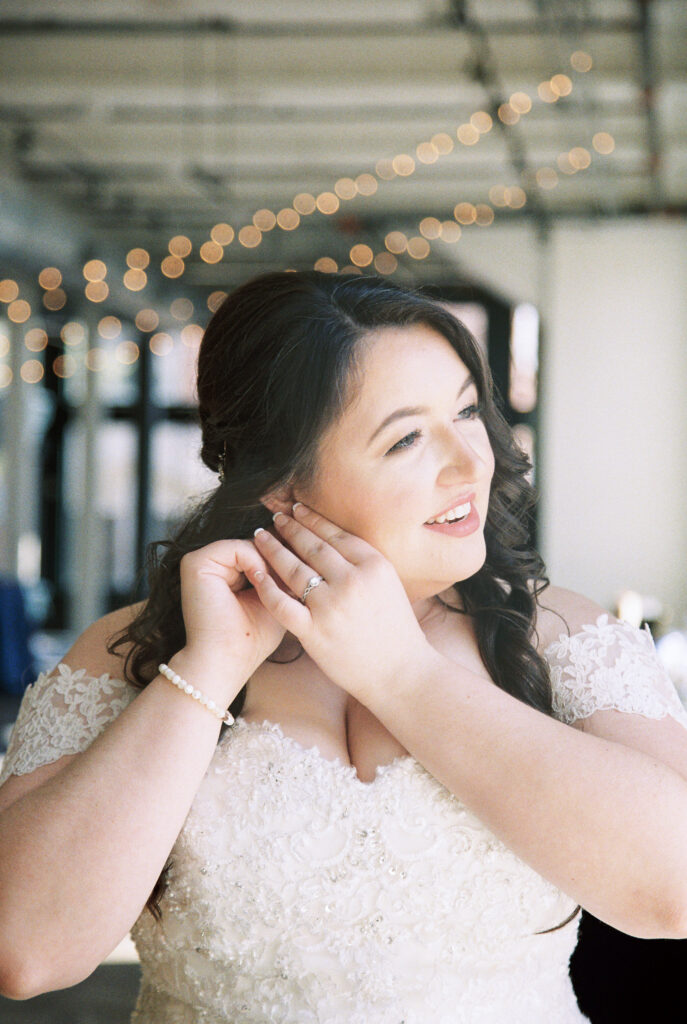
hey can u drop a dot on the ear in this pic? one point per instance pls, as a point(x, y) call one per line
point(279, 501)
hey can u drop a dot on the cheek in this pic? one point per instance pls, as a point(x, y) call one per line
point(377, 509)
point(486, 452)
point(349, 499)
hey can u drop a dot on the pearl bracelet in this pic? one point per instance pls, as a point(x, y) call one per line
point(216, 710)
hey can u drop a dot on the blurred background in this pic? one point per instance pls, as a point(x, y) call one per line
point(525, 162)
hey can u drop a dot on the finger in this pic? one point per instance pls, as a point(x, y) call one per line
point(353, 549)
point(231, 560)
point(292, 569)
point(315, 551)
point(288, 611)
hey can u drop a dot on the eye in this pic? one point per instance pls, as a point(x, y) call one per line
point(405, 442)
point(470, 412)
point(473, 410)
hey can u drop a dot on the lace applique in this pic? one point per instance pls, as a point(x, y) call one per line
point(611, 666)
point(300, 894)
point(62, 714)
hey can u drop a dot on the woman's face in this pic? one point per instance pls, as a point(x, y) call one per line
point(385, 470)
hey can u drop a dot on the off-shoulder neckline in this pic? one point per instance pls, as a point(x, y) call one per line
point(600, 623)
point(346, 771)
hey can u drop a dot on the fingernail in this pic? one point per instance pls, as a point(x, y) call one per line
point(276, 516)
point(260, 529)
point(298, 506)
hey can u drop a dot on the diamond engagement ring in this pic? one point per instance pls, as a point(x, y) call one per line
point(313, 582)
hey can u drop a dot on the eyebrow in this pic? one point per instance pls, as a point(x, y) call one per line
point(414, 410)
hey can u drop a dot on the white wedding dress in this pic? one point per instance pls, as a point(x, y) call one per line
point(301, 895)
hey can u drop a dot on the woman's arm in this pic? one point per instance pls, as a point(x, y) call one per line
point(605, 823)
point(80, 853)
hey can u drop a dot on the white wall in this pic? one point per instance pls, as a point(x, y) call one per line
point(613, 428)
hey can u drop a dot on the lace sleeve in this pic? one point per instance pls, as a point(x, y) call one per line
point(611, 666)
point(62, 714)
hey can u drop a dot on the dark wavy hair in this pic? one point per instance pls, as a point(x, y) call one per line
point(276, 367)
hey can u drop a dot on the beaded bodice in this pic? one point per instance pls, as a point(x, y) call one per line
point(298, 893)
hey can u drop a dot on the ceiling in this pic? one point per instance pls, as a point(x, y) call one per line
point(126, 124)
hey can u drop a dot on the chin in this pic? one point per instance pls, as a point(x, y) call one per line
point(464, 568)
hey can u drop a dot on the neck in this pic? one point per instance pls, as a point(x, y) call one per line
point(428, 606)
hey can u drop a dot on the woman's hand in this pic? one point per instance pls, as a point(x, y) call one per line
point(226, 622)
point(358, 625)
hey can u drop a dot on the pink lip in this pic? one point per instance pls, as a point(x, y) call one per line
point(454, 504)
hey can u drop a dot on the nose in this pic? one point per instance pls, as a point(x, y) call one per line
point(461, 462)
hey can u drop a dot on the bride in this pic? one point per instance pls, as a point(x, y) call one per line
point(343, 764)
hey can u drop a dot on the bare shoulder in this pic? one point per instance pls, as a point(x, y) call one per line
point(90, 651)
point(560, 610)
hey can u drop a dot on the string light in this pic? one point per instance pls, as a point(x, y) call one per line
point(32, 371)
point(55, 299)
point(97, 291)
point(581, 61)
point(427, 153)
point(50, 278)
point(222, 234)
point(211, 252)
point(19, 311)
point(327, 202)
point(215, 300)
point(35, 340)
point(430, 227)
point(146, 320)
point(385, 262)
point(418, 247)
point(191, 335)
point(135, 280)
point(94, 270)
point(288, 219)
point(137, 259)
point(172, 266)
point(181, 309)
point(127, 352)
point(326, 264)
point(110, 327)
point(603, 143)
point(304, 203)
point(161, 344)
point(179, 246)
point(346, 188)
point(250, 236)
point(561, 85)
point(264, 220)
point(9, 290)
point(361, 255)
point(64, 366)
point(73, 333)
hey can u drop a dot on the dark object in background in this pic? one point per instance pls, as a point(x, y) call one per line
point(620, 979)
point(17, 667)
point(107, 996)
